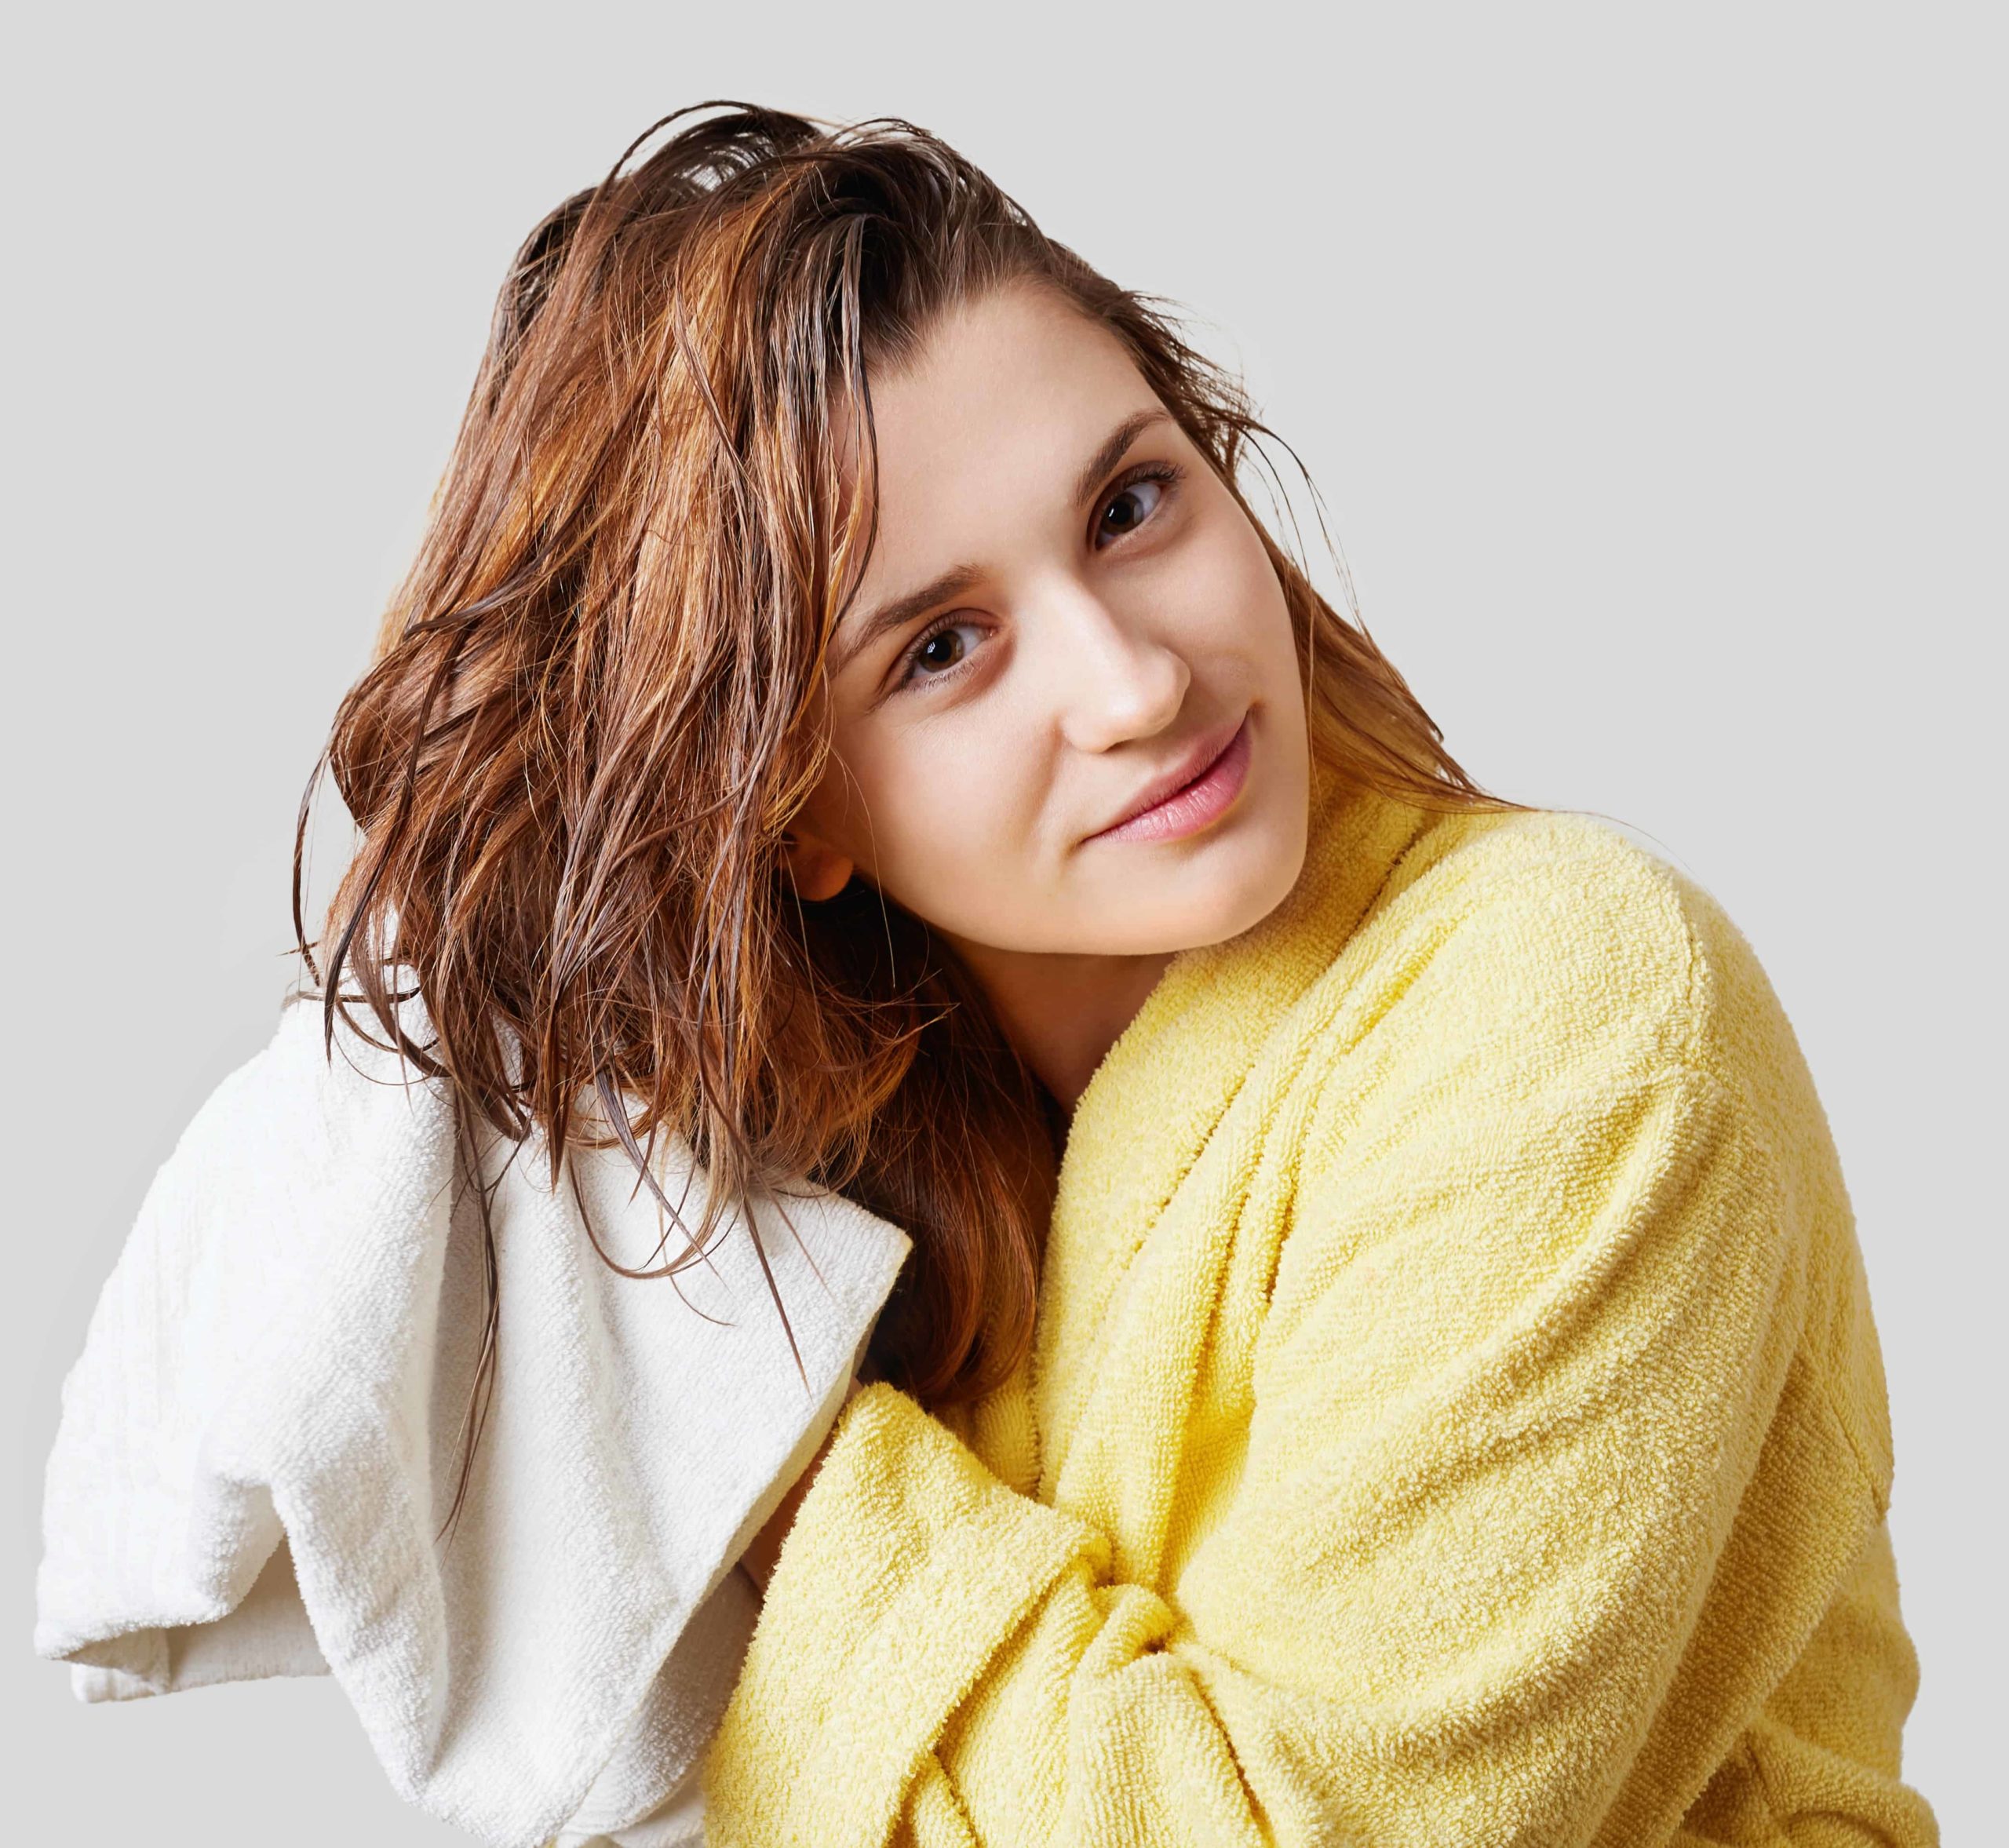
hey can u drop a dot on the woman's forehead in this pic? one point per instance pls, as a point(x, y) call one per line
point(1018, 373)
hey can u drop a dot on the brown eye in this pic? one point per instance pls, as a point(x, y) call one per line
point(938, 655)
point(1136, 500)
point(926, 656)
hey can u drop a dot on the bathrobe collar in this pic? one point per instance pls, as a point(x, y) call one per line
point(1165, 1085)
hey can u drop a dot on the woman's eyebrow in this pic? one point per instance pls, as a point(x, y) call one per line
point(1114, 445)
point(900, 611)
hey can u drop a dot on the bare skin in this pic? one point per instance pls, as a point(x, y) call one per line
point(1102, 638)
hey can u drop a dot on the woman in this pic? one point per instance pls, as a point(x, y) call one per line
point(1385, 1356)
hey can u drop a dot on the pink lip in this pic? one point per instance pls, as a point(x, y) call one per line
point(1209, 787)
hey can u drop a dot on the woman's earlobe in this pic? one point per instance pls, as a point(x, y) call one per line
point(818, 872)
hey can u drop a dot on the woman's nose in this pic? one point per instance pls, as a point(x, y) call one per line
point(1114, 678)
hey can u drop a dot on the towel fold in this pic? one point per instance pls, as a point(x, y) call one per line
point(262, 1436)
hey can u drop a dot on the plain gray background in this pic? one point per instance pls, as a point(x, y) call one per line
point(1650, 361)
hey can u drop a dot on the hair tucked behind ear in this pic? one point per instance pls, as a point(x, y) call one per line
point(589, 716)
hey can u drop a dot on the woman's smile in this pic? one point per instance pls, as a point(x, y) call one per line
point(1194, 804)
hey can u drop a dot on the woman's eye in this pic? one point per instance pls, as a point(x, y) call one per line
point(938, 654)
point(1136, 500)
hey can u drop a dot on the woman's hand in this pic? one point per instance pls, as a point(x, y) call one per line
point(758, 1561)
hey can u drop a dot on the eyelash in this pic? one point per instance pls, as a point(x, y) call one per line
point(1171, 474)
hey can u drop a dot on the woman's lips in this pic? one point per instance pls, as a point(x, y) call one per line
point(1198, 804)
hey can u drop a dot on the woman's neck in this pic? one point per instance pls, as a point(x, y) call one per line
point(1063, 1013)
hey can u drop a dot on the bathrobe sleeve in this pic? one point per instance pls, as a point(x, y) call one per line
point(1541, 1494)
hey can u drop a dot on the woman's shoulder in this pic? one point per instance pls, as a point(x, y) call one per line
point(1553, 936)
point(1536, 996)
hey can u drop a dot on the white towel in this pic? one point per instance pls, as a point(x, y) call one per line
point(261, 1436)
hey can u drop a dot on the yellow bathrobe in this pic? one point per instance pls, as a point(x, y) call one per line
point(1455, 1416)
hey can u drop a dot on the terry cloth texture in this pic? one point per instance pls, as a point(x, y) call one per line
point(1455, 1416)
point(263, 1435)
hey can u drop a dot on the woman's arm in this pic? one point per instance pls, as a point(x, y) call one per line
point(1540, 1496)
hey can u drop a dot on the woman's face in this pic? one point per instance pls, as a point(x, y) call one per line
point(1106, 626)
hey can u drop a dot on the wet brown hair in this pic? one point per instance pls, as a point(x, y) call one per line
point(587, 720)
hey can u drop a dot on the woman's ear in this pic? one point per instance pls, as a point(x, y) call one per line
point(819, 872)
